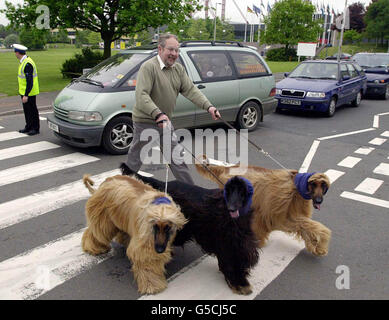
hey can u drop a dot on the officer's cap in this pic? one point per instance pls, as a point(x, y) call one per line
point(19, 48)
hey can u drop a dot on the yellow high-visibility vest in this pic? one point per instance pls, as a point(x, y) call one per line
point(23, 81)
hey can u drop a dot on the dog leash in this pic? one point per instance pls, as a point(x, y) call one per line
point(252, 143)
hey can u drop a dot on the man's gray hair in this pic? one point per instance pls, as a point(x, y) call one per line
point(163, 37)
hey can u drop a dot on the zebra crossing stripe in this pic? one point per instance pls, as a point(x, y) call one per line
point(18, 210)
point(280, 250)
point(11, 135)
point(26, 149)
point(30, 274)
point(35, 169)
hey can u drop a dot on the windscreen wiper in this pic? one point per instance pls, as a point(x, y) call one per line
point(90, 81)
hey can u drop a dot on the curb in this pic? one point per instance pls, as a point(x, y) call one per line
point(19, 111)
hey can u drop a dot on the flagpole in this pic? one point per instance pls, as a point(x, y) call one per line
point(342, 30)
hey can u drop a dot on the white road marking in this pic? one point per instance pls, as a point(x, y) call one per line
point(369, 185)
point(202, 280)
point(11, 135)
point(364, 150)
point(1, 127)
point(365, 199)
point(26, 149)
point(377, 141)
point(308, 158)
point(345, 134)
point(385, 134)
point(383, 168)
point(376, 121)
point(21, 277)
point(334, 175)
point(18, 210)
point(35, 169)
point(42, 118)
point(349, 162)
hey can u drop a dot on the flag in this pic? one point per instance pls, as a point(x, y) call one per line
point(328, 9)
point(256, 10)
point(262, 4)
point(249, 10)
point(268, 8)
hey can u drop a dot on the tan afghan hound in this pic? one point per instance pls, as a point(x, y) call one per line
point(143, 219)
point(278, 204)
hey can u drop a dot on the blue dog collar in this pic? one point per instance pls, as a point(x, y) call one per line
point(250, 189)
point(301, 183)
point(161, 200)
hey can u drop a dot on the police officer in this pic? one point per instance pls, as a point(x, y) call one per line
point(28, 89)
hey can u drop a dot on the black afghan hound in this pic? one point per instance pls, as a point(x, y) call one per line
point(219, 221)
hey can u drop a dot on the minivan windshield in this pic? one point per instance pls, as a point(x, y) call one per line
point(312, 70)
point(372, 60)
point(111, 70)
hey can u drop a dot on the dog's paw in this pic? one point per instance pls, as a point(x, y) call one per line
point(152, 288)
point(242, 290)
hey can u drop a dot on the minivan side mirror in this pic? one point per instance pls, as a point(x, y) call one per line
point(286, 74)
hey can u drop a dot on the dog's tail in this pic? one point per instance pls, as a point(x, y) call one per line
point(126, 170)
point(88, 182)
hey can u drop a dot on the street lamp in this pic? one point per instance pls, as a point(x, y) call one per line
point(214, 30)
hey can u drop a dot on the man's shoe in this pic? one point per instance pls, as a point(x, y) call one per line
point(24, 130)
point(32, 132)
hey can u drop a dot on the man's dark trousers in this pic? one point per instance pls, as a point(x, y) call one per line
point(31, 114)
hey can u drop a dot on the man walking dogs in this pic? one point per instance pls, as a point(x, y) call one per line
point(159, 82)
point(28, 90)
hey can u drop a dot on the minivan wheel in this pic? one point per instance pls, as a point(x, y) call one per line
point(249, 116)
point(117, 135)
point(357, 101)
point(331, 107)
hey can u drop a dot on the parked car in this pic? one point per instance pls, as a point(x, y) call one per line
point(343, 56)
point(321, 85)
point(95, 109)
point(376, 66)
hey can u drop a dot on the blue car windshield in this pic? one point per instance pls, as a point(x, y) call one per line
point(111, 70)
point(312, 70)
point(372, 60)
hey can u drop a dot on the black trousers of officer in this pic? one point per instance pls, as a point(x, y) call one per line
point(31, 114)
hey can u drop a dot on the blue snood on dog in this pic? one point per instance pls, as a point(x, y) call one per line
point(250, 189)
point(161, 200)
point(301, 183)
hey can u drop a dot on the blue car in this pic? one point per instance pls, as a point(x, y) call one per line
point(376, 66)
point(321, 86)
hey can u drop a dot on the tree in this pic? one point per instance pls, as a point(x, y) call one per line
point(33, 39)
point(111, 18)
point(10, 40)
point(289, 23)
point(376, 19)
point(357, 13)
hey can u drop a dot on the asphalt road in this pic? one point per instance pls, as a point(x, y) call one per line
point(42, 213)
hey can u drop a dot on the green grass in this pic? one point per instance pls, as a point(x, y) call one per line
point(48, 62)
point(277, 66)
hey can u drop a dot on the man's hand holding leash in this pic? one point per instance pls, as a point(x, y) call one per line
point(214, 113)
point(162, 120)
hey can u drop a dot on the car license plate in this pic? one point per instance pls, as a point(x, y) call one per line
point(291, 101)
point(53, 126)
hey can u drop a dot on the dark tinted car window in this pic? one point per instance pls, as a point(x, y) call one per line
point(359, 69)
point(248, 64)
point(211, 65)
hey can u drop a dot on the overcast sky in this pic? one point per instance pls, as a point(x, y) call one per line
point(231, 11)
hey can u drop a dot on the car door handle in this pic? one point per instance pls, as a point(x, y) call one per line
point(200, 86)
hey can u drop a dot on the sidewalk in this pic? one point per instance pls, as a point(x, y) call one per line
point(13, 105)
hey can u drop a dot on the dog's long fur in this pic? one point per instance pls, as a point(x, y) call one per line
point(123, 205)
point(212, 227)
point(278, 205)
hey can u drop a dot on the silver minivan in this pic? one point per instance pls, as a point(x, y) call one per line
point(95, 109)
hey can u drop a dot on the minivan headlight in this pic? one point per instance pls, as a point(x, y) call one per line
point(85, 116)
point(316, 94)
